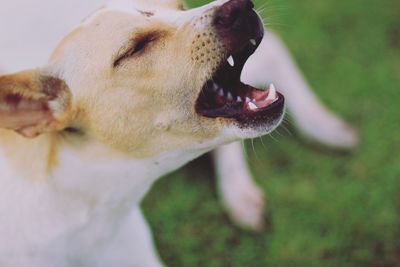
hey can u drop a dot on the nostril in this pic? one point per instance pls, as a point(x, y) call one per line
point(238, 25)
point(228, 14)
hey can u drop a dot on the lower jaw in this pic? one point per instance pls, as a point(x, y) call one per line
point(255, 108)
point(264, 117)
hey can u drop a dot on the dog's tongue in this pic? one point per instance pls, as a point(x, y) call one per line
point(258, 99)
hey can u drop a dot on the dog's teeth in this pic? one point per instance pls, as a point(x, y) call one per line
point(252, 106)
point(215, 87)
point(239, 99)
point(221, 92)
point(272, 92)
point(229, 96)
point(248, 100)
point(272, 87)
point(231, 61)
point(253, 42)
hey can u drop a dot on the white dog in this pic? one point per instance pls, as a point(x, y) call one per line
point(136, 90)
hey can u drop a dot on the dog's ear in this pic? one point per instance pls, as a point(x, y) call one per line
point(32, 103)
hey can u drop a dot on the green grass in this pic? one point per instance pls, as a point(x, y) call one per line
point(325, 209)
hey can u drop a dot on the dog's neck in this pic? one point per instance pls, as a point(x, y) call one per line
point(113, 178)
point(87, 169)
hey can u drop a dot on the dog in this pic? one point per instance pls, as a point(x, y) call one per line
point(135, 91)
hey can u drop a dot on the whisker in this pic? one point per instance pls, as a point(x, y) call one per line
point(287, 129)
point(262, 142)
point(255, 152)
point(246, 155)
point(279, 133)
point(272, 136)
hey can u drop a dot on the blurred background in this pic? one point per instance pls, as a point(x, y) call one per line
point(324, 208)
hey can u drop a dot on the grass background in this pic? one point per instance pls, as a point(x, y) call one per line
point(326, 209)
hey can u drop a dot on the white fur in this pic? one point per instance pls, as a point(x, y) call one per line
point(85, 214)
point(242, 198)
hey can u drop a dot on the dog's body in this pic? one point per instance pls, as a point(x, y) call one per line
point(70, 196)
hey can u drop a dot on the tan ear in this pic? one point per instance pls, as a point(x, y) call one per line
point(32, 103)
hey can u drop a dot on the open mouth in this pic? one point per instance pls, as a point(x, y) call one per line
point(225, 96)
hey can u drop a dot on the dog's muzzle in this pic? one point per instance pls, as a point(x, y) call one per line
point(240, 31)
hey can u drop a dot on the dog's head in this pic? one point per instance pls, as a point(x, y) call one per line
point(147, 77)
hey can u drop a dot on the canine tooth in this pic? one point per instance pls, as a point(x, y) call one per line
point(252, 106)
point(215, 87)
point(221, 92)
point(229, 96)
point(239, 99)
point(272, 92)
point(247, 99)
point(231, 61)
point(253, 42)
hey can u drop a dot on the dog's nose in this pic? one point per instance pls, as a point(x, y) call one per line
point(236, 22)
point(233, 13)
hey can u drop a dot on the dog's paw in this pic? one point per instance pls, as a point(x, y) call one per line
point(245, 204)
point(329, 130)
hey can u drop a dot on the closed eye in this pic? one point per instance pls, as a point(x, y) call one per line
point(140, 45)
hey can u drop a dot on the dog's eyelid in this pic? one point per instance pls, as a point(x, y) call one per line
point(142, 42)
point(73, 130)
point(137, 46)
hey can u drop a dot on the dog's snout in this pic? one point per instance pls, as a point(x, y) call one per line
point(233, 14)
point(236, 23)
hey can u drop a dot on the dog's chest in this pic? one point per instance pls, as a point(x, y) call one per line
point(51, 219)
point(81, 200)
